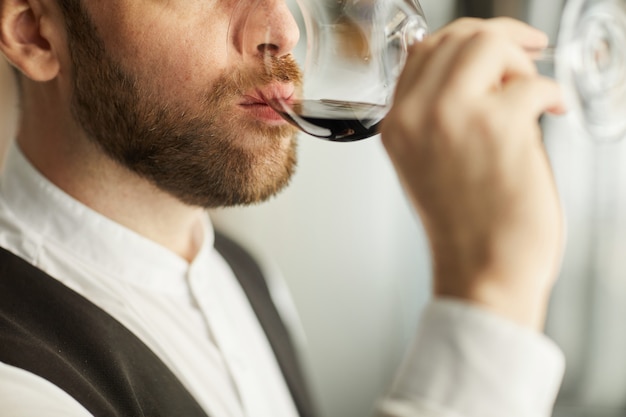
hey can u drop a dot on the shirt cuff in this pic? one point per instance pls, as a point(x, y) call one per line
point(466, 361)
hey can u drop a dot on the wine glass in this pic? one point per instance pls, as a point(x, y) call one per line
point(590, 63)
point(354, 53)
point(356, 50)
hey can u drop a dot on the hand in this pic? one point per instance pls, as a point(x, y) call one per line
point(464, 138)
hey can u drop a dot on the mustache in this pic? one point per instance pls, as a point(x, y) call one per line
point(283, 69)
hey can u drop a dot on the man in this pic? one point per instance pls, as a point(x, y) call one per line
point(137, 115)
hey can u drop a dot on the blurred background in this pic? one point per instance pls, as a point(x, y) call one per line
point(356, 262)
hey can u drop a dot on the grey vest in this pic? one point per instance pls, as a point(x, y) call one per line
point(51, 331)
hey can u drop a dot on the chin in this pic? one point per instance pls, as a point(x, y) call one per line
point(262, 136)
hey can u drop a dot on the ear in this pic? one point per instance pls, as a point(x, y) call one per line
point(27, 34)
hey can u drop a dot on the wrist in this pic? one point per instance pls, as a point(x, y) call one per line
point(515, 295)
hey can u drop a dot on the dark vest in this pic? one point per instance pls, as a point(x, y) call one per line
point(52, 331)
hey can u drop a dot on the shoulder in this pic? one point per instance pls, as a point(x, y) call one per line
point(23, 394)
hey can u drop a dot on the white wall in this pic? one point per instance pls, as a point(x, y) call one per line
point(354, 257)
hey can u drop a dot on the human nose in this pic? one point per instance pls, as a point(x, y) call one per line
point(270, 29)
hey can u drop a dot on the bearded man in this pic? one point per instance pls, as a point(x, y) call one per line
point(118, 299)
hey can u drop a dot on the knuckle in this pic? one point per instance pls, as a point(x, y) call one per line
point(506, 25)
point(468, 22)
point(486, 36)
point(503, 20)
point(489, 126)
point(429, 43)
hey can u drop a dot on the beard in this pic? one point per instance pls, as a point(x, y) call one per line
point(188, 151)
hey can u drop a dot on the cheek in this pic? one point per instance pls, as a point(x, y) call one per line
point(183, 62)
point(177, 52)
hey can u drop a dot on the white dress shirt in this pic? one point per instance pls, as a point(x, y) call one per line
point(195, 317)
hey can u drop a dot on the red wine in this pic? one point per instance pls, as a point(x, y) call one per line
point(338, 121)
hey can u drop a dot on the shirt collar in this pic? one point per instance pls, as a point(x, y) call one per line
point(50, 215)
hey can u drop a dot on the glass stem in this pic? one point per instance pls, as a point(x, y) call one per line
point(544, 55)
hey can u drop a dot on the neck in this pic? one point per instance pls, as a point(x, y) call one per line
point(61, 152)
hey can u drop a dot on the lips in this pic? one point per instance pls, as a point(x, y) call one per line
point(256, 102)
point(272, 92)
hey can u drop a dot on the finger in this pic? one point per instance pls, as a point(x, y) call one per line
point(519, 32)
point(430, 62)
point(532, 97)
point(515, 30)
point(435, 72)
point(486, 62)
point(461, 26)
point(421, 53)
